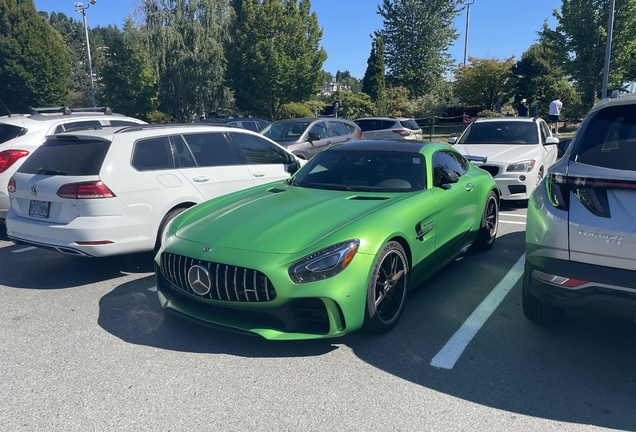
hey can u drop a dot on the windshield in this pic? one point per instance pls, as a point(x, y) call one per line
point(509, 132)
point(286, 131)
point(363, 170)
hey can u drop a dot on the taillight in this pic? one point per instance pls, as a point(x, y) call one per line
point(558, 280)
point(9, 157)
point(591, 192)
point(402, 132)
point(360, 133)
point(85, 190)
point(11, 185)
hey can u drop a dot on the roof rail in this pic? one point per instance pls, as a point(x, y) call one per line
point(67, 111)
point(142, 127)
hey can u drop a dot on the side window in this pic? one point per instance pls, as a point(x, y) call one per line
point(152, 154)
point(85, 124)
point(337, 129)
point(259, 151)
point(250, 125)
point(123, 123)
point(443, 160)
point(463, 163)
point(212, 149)
point(350, 128)
point(320, 129)
point(544, 132)
point(388, 124)
point(182, 152)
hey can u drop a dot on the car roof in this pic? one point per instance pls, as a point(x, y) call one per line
point(615, 99)
point(408, 146)
point(507, 119)
point(384, 118)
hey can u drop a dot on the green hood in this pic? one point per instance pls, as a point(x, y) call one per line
point(285, 222)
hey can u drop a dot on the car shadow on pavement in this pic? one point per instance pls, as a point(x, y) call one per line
point(44, 269)
point(512, 205)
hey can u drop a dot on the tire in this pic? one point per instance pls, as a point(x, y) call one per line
point(537, 311)
point(166, 220)
point(386, 290)
point(489, 223)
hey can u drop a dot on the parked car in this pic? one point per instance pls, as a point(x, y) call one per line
point(518, 150)
point(305, 137)
point(580, 241)
point(251, 123)
point(389, 128)
point(332, 249)
point(21, 134)
point(105, 192)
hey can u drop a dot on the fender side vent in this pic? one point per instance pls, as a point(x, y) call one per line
point(276, 190)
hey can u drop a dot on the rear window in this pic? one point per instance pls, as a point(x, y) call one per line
point(369, 125)
point(609, 140)
point(8, 132)
point(410, 124)
point(72, 157)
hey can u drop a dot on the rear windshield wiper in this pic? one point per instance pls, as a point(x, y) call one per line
point(42, 171)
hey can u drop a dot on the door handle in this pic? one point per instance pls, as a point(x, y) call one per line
point(470, 187)
point(258, 174)
point(201, 179)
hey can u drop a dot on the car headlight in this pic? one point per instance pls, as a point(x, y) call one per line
point(523, 166)
point(325, 263)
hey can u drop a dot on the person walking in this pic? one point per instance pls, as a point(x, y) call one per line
point(555, 112)
point(522, 109)
point(497, 106)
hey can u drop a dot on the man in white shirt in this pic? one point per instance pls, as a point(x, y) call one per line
point(555, 111)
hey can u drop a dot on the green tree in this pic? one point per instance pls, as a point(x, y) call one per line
point(356, 105)
point(397, 101)
point(483, 81)
point(128, 79)
point(34, 63)
point(417, 35)
point(345, 79)
point(186, 39)
point(539, 78)
point(275, 56)
point(374, 83)
point(580, 38)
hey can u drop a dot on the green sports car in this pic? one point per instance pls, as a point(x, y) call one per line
point(331, 250)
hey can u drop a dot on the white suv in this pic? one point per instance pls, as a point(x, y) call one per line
point(581, 225)
point(21, 134)
point(108, 192)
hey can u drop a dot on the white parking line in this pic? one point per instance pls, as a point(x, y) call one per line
point(153, 289)
point(512, 222)
point(24, 249)
point(456, 345)
point(513, 214)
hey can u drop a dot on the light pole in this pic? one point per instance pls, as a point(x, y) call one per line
point(608, 49)
point(81, 8)
point(466, 36)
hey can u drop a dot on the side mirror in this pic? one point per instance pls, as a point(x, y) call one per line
point(563, 146)
point(452, 140)
point(293, 167)
point(446, 178)
point(551, 140)
point(313, 136)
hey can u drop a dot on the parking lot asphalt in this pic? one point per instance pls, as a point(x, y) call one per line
point(84, 345)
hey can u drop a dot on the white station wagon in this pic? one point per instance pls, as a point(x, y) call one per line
point(109, 192)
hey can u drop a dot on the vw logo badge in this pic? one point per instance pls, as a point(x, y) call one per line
point(199, 279)
point(34, 190)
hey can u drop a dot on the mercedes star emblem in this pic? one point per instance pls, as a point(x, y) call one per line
point(34, 190)
point(199, 279)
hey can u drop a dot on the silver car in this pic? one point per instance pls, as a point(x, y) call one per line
point(389, 128)
point(304, 137)
point(581, 226)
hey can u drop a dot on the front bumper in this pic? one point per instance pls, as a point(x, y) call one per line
point(513, 185)
point(321, 309)
point(609, 291)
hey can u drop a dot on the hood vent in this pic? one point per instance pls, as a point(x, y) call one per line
point(368, 198)
point(276, 190)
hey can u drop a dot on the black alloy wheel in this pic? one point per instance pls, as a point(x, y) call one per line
point(489, 223)
point(386, 292)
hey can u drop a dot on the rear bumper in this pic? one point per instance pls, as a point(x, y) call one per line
point(607, 290)
point(126, 234)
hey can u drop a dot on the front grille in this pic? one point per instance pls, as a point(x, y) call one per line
point(518, 189)
point(227, 282)
point(492, 169)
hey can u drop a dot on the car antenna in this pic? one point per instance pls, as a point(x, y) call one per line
point(5, 107)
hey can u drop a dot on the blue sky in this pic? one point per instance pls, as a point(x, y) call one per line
point(497, 28)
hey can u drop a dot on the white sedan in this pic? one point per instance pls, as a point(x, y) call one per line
point(518, 152)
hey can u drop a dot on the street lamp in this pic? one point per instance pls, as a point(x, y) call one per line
point(608, 48)
point(81, 8)
point(466, 36)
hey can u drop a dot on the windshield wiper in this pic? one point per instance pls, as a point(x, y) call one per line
point(42, 171)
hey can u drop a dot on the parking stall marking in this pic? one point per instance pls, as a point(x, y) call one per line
point(456, 345)
point(512, 222)
point(26, 249)
point(514, 214)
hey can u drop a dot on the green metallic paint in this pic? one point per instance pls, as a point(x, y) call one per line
point(269, 231)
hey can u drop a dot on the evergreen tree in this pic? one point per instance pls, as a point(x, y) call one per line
point(34, 63)
point(416, 36)
point(275, 56)
point(373, 82)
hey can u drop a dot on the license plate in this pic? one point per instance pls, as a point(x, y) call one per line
point(418, 136)
point(39, 209)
